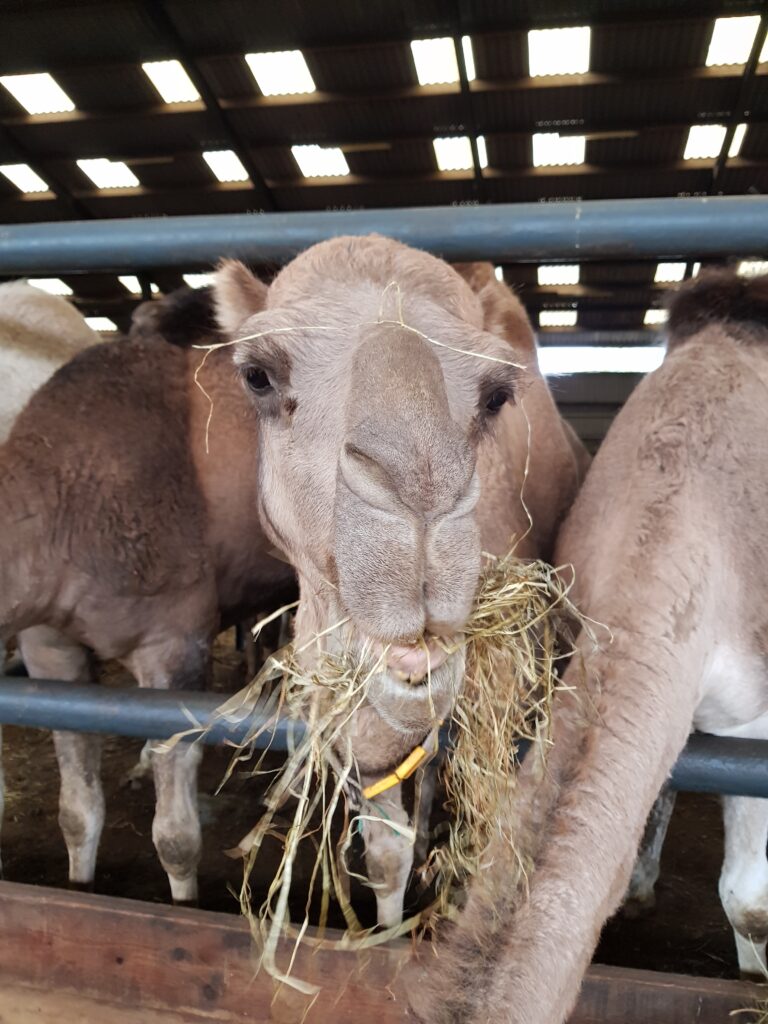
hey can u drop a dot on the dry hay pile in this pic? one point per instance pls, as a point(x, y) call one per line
point(512, 643)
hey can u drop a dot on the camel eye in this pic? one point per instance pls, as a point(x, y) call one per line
point(495, 400)
point(258, 380)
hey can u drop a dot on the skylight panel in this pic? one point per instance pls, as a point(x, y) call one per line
point(101, 323)
point(171, 81)
point(655, 316)
point(52, 285)
point(555, 359)
point(553, 150)
point(559, 51)
point(281, 72)
point(38, 94)
point(469, 57)
point(320, 161)
point(499, 273)
point(558, 318)
point(24, 178)
point(225, 164)
point(198, 280)
point(669, 273)
point(454, 153)
point(732, 40)
point(435, 61)
point(564, 273)
point(738, 138)
point(109, 173)
point(704, 141)
point(752, 268)
point(133, 285)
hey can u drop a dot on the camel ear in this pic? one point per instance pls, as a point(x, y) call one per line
point(503, 313)
point(237, 294)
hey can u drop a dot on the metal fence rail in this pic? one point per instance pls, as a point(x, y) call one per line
point(709, 764)
point(613, 228)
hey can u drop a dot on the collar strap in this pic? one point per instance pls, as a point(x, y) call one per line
point(405, 770)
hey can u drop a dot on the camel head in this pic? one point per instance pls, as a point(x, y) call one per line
point(372, 382)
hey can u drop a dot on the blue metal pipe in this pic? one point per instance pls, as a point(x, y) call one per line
point(605, 229)
point(709, 764)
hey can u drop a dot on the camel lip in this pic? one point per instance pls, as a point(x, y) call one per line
point(412, 663)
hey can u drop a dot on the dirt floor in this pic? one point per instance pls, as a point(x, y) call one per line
point(687, 932)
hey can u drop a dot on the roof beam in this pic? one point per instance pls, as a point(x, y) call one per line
point(740, 106)
point(156, 12)
point(311, 101)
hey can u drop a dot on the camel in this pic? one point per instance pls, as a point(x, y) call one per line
point(667, 539)
point(125, 536)
point(38, 333)
point(399, 403)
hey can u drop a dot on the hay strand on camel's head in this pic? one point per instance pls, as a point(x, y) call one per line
point(510, 651)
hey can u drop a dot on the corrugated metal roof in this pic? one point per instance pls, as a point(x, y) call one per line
point(646, 86)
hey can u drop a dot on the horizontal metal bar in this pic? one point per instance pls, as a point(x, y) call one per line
point(146, 714)
point(604, 337)
point(709, 764)
point(612, 228)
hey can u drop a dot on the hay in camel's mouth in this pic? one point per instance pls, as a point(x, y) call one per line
point(511, 645)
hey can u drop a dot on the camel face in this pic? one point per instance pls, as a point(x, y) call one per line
point(371, 397)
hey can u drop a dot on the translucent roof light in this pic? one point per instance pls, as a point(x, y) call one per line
point(435, 61)
point(738, 138)
point(669, 273)
point(565, 273)
point(320, 161)
point(24, 178)
point(469, 57)
point(101, 323)
point(38, 94)
point(455, 153)
point(52, 285)
point(133, 285)
point(553, 150)
point(706, 140)
point(171, 81)
point(225, 164)
point(109, 173)
point(558, 318)
point(732, 40)
point(281, 72)
point(559, 51)
point(752, 268)
point(198, 280)
point(555, 359)
point(655, 316)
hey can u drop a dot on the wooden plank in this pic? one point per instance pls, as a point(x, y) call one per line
point(93, 959)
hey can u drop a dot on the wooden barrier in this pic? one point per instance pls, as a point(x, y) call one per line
point(69, 957)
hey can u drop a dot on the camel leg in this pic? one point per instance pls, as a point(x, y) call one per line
point(641, 896)
point(48, 654)
point(744, 879)
point(388, 853)
point(175, 664)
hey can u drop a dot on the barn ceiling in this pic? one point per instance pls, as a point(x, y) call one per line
point(621, 116)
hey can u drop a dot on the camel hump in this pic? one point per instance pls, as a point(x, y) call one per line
point(720, 297)
point(183, 317)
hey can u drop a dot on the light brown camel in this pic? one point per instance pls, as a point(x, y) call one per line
point(123, 537)
point(393, 437)
point(668, 541)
